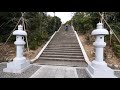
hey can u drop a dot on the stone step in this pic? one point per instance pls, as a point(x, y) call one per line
point(64, 51)
point(62, 43)
point(69, 47)
point(72, 40)
point(60, 59)
point(62, 56)
point(62, 63)
point(64, 35)
point(65, 45)
point(63, 38)
point(62, 47)
point(60, 53)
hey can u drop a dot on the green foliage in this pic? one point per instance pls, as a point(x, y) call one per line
point(33, 45)
point(8, 21)
point(39, 26)
point(42, 28)
point(116, 49)
point(53, 25)
point(68, 22)
point(82, 22)
point(85, 22)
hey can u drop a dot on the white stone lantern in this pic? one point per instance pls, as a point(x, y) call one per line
point(19, 63)
point(98, 68)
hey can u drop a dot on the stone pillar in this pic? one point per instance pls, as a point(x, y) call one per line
point(98, 68)
point(19, 63)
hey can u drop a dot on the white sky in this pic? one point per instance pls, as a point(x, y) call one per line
point(64, 16)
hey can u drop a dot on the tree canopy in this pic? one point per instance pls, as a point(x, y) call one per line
point(39, 26)
point(85, 22)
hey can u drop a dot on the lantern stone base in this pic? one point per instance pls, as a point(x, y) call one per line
point(100, 70)
point(15, 67)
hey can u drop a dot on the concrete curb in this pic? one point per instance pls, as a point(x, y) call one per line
point(82, 48)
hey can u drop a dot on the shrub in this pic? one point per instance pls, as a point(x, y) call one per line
point(116, 49)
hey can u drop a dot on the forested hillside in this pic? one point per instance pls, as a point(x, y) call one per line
point(85, 22)
point(39, 26)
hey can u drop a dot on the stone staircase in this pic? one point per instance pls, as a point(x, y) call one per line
point(63, 50)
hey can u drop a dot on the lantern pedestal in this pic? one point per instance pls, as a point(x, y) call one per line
point(98, 68)
point(17, 66)
point(19, 63)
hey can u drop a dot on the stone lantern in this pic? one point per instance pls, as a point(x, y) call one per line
point(19, 63)
point(98, 68)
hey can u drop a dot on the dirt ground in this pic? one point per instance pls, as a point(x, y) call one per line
point(8, 52)
point(109, 55)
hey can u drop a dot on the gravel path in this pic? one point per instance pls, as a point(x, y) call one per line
point(117, 73)
point(82, 73)
point(25, 74)
point(33, 68)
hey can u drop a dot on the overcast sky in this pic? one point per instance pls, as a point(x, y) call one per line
point(65, 16)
